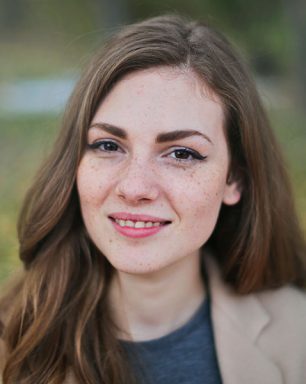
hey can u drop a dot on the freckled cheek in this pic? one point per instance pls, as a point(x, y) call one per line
point(201, 210)
point(92, 184)
point(198, 190)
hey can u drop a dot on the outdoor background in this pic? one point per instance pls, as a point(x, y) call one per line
point(45, 43)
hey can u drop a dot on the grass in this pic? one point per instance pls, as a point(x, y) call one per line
point(25, 140)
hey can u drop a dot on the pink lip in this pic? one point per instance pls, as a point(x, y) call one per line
point(136, 232)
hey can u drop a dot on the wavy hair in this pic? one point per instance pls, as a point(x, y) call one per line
point(59, 318)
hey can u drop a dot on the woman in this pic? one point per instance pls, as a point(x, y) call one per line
point(159, 239)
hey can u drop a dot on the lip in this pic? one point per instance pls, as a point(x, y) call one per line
point(137, 233)
point(136, 217)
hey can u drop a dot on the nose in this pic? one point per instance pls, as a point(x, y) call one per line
point(137, 183)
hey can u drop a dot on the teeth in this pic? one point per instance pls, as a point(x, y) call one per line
point(137, 224)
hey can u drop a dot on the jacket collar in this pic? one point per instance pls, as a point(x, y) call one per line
point(239, 322)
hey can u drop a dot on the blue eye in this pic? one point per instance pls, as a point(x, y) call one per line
point(104, 146)
point(186, 154)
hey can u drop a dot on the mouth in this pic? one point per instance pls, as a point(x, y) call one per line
point(138, 223)
point(136, 228)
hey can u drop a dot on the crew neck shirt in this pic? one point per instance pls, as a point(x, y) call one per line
point(185, 356)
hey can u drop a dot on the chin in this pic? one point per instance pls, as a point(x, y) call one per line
point(138, 268)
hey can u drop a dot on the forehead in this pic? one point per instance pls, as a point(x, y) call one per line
point(162, 99)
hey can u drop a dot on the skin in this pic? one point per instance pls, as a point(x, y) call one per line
point(156, 276)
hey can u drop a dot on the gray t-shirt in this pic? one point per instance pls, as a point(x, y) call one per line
point(185, 356)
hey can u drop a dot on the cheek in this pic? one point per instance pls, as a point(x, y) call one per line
point(199, 198)
point(200, 189)
point(91, 186)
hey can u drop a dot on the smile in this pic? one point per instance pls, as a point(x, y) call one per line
point(137, 229)
point(137, 224)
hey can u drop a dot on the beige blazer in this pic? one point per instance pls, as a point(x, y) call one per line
point(260, 338)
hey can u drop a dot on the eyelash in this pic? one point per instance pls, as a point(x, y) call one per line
point(98, 144)
point(195, 155)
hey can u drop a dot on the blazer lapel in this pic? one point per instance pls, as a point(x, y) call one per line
point(238, 322)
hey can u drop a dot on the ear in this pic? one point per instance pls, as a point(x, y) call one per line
point(232, 192)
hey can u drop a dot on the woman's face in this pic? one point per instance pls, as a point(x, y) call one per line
point(156, 149)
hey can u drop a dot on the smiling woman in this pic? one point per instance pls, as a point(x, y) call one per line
point(155, 167)
point(159, 239)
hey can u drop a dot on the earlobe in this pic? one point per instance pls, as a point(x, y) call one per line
point(232, 193)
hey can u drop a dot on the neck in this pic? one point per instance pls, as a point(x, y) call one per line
point(150, 306)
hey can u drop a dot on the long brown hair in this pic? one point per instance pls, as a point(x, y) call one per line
point(60, 318)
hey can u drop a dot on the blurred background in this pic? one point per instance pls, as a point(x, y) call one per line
point(45, 43)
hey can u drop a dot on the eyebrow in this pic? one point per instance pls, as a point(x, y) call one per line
point(160, 138)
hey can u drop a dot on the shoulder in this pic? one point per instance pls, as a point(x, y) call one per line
point(286, 308)
point(284, 337)
point(287, 303)
point(268, 330)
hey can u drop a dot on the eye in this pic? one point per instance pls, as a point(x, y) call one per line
point(186, 154)
point(105, 146)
